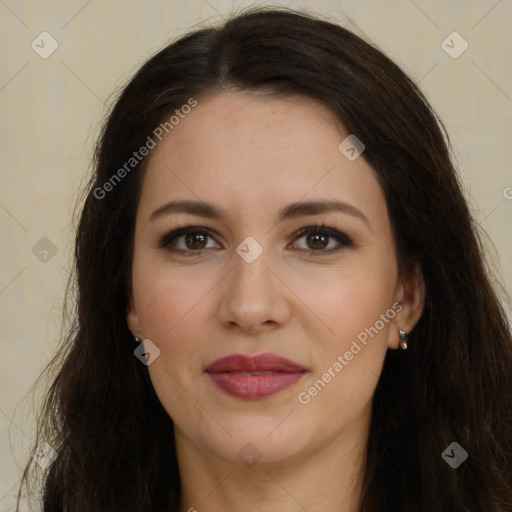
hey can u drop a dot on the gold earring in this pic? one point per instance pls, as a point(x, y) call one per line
point(403, 339)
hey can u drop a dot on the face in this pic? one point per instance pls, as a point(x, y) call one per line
point(285, 251)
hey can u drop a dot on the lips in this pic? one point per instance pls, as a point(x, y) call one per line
point(254, 377)
point(261, 363)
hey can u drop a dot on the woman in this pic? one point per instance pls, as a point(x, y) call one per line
point(275, 220)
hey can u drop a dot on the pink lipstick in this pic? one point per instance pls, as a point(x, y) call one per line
point(254, 377)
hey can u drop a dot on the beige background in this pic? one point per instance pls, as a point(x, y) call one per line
point(50, 110)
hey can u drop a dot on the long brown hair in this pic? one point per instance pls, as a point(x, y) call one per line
point(114, 439)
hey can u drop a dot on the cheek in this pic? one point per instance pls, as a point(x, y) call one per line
point(171, 312)
point(347, 301)
point(357, 309)
point(174, 321)
point(166, 296)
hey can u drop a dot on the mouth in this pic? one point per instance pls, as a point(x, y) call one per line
point(254, 377)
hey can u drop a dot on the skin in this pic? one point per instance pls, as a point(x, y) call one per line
point(251, 155)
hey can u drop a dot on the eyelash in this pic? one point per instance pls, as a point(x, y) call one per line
point(341, 238)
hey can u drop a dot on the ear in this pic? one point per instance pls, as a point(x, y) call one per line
point(132, 318)
point(410, 294)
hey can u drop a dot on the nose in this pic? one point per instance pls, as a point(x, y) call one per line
point(255, 298)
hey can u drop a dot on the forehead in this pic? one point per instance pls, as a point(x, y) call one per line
point(244, 151)
point(255, 126)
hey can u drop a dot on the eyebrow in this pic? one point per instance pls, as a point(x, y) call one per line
point(291, 211)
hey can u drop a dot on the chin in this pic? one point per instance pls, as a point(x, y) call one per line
point(265, 442)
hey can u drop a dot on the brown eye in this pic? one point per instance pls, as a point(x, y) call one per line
point(317, 241)
point(190, 240)
point(322, 240)
point(195, 241)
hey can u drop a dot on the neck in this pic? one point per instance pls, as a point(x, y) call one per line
point(328, 479)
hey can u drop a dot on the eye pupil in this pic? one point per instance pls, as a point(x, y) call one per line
point(192, 240)
point(315, 239)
